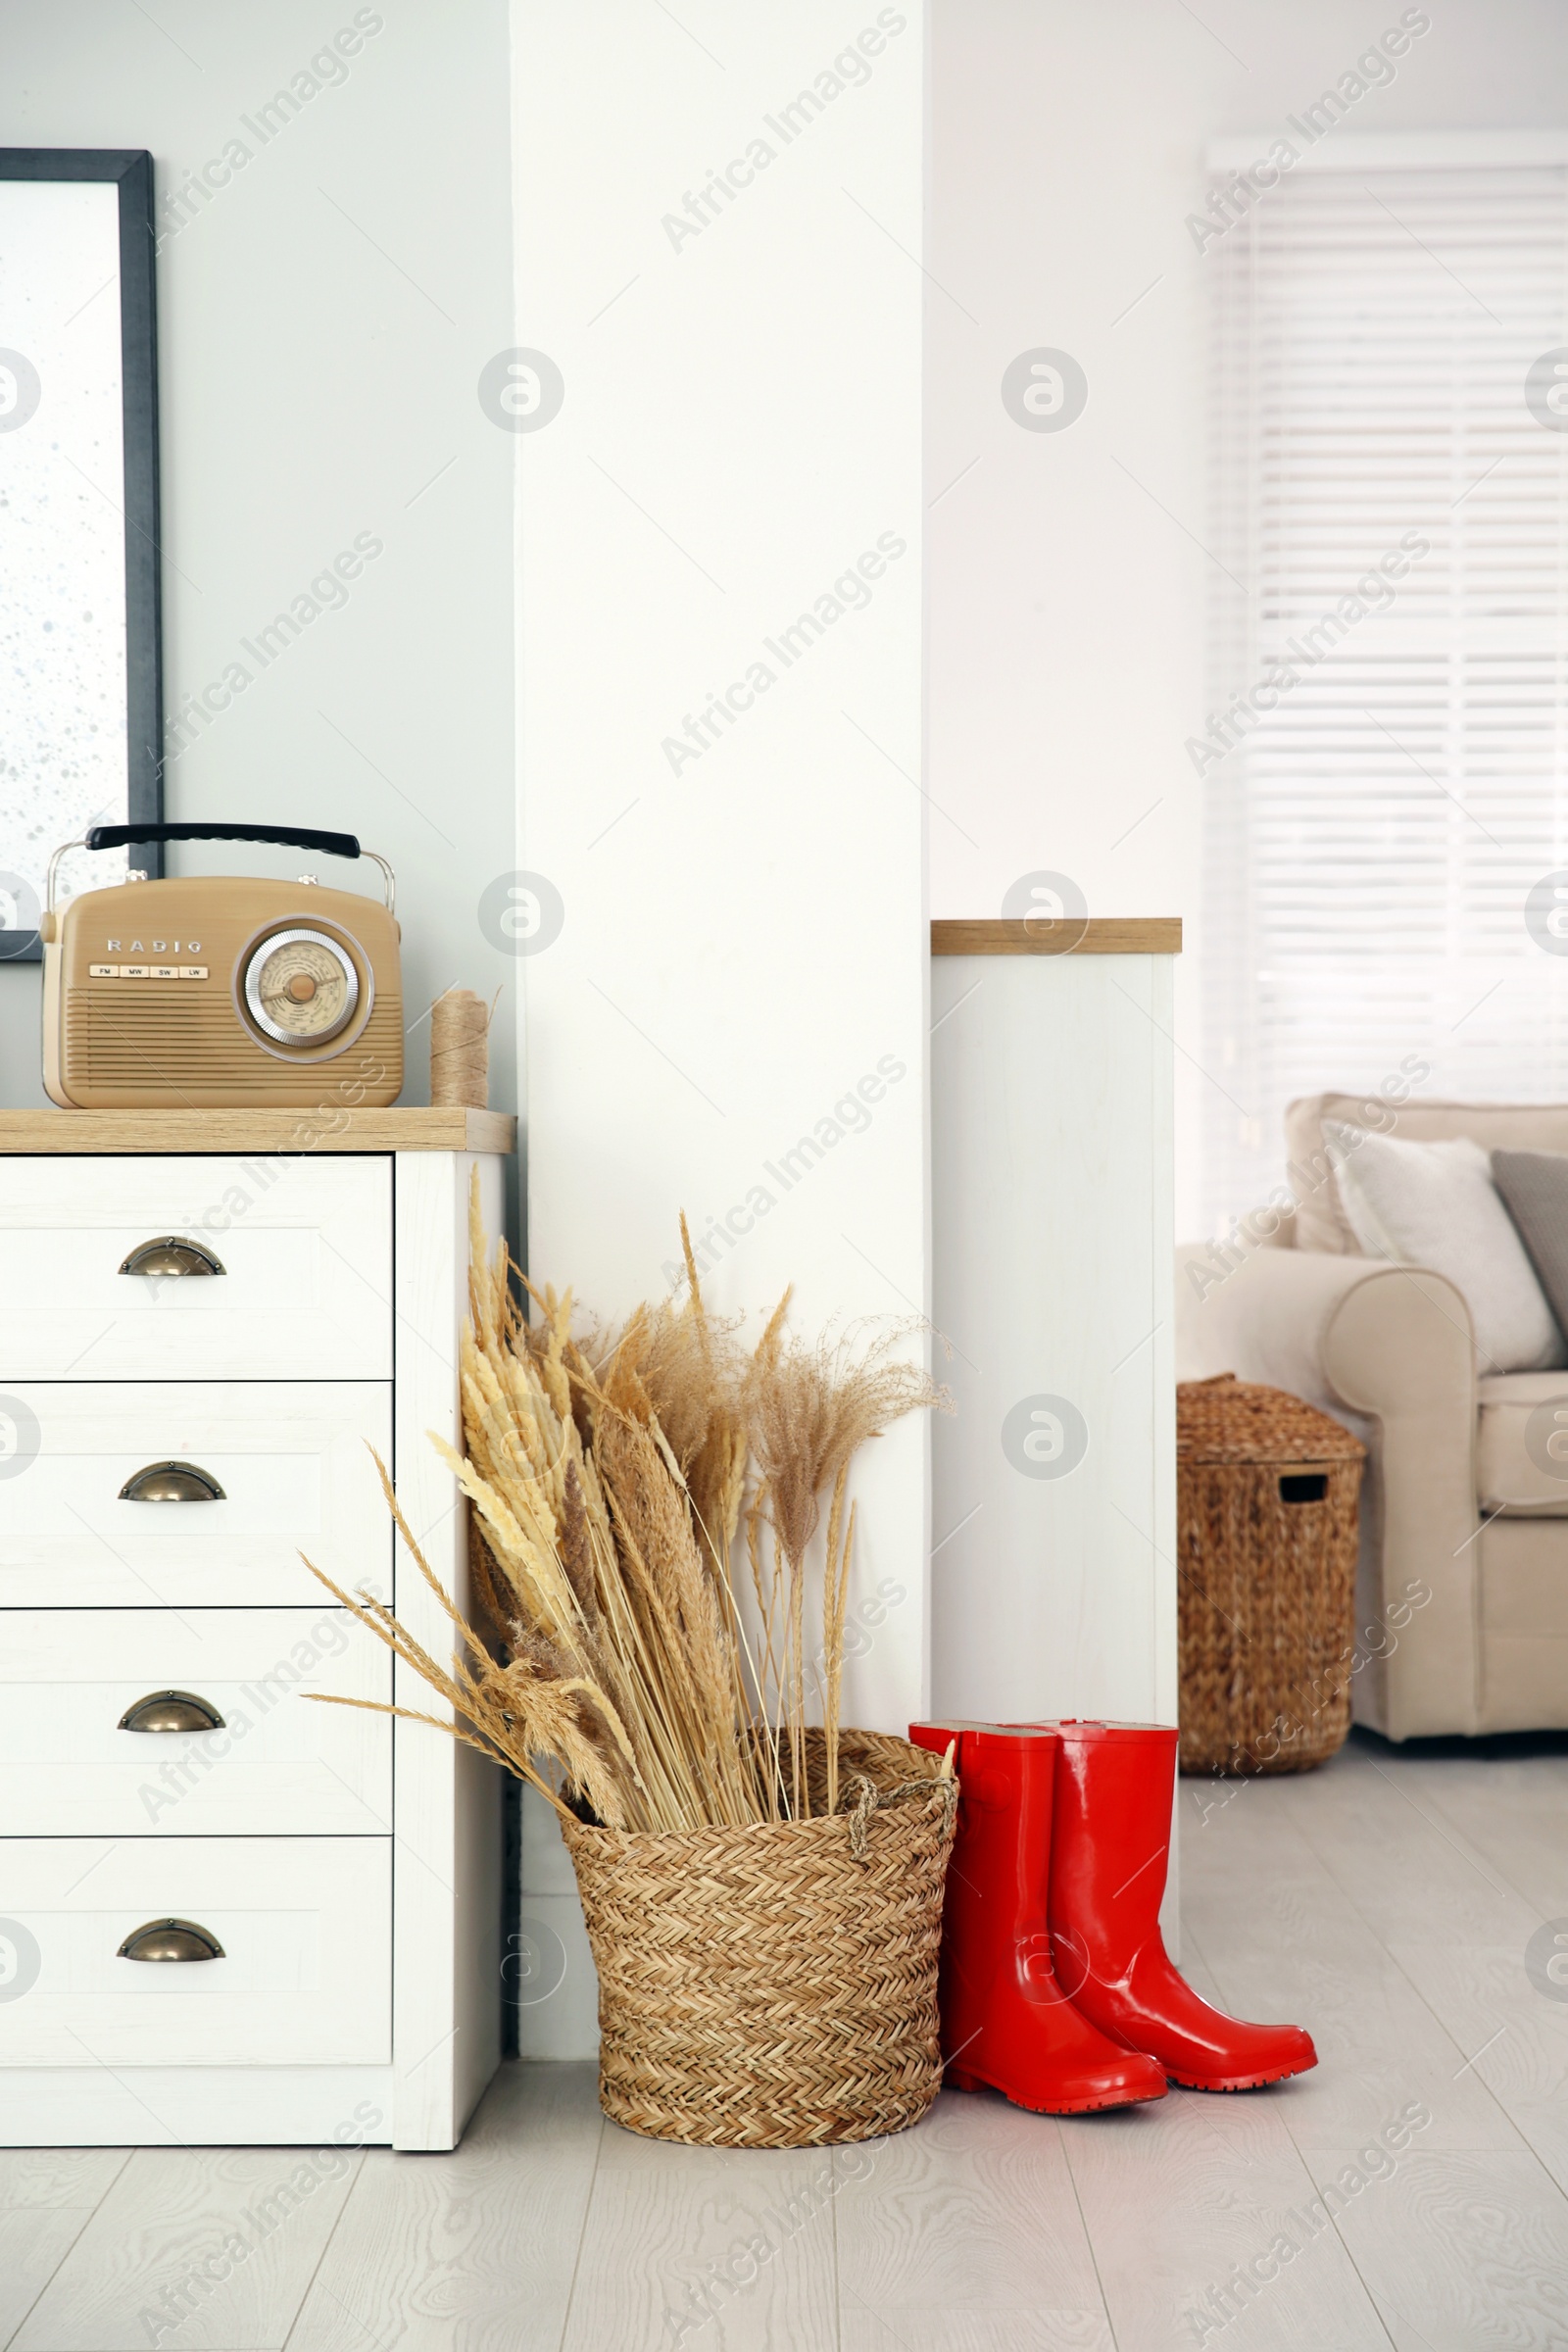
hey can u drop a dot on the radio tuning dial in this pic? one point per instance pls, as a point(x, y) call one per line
point(300, 987)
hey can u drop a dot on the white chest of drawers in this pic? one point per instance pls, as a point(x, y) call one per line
point(347, 1866)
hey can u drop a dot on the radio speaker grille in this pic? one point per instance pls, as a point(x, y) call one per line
point(190, 1047)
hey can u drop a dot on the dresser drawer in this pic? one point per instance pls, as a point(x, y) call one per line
point(305, 1246)
point(304, 1923)
point(273, 1766)
point(290, 1458)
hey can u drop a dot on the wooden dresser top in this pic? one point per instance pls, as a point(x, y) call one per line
point(340, 1130)
point(1092, 934)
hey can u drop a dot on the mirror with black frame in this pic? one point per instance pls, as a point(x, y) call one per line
point(81, 700)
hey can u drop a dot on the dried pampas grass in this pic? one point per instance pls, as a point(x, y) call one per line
point(612, 1481)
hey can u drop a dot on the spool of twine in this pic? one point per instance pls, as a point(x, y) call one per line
point(460, 1050)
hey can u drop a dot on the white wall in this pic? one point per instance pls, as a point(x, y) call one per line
point(1068, 583)
point(323, 321)
point(742, 935)
point(1053, 1488)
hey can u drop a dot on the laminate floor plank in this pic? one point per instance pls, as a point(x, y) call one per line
point(1508, 1809)
point(1178, 2197)
point(34, 2177)
point(1403, 1868)
point(1283, 1940)
point(1461, 2252)
point(34, 2241)
point(705, 2250)
point(1416, 1873)
point(903, 2330)
point(1196, 1968)
point(969, 2218)
point(1379, 2044)
point(1516, 2037)
point(476, 2248)
point(210, 2249)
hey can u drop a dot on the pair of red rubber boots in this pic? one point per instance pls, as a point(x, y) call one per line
point(1057, 1988)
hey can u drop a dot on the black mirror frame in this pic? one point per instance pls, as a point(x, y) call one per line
point(131, 169)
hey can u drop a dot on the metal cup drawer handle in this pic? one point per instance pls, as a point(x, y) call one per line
point(173, 1253)
point(173, 1482)
point(172, 1939)
point(171, 1711)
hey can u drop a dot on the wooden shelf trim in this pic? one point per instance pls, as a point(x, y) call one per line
point(413, 1130)
point(1097, 935)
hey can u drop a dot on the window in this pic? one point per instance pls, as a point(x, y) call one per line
point(1386, 764)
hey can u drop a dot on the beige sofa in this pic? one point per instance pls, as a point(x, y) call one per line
point(1462, 1590)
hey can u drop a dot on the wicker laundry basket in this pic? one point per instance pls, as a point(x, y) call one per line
point(775, 1986)
point(1268, 1490)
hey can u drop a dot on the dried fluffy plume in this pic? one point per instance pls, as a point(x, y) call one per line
point(610, 1480)
point(808, 1410)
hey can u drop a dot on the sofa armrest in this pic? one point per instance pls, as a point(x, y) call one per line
point(1389, 1350)
point(1265, 1320)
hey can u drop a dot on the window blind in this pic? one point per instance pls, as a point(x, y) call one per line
point(1386, 759)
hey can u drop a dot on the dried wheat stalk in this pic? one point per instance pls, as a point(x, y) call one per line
point(610, 1482)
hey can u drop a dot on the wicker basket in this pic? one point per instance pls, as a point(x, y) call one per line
point(776, 1987)
point(1268, 1490)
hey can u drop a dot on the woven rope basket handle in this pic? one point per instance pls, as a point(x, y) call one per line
point(868, 1799)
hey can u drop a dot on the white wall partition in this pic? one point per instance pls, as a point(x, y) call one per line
point(716, 392)
point(1054, 1581)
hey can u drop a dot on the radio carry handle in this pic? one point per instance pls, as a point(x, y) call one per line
point(296, 836)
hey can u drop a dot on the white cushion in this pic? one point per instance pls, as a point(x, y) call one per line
point(1436, 1205)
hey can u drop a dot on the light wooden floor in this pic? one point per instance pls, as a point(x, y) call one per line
point(1385, 1901)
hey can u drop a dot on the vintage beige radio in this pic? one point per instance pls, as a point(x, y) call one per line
point(222, 992)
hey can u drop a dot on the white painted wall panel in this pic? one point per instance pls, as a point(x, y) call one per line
point(741, 936)
point(1054, 1584)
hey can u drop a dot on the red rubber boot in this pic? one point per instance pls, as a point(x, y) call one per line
point(1005, 2019)
point(1111, 1850)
